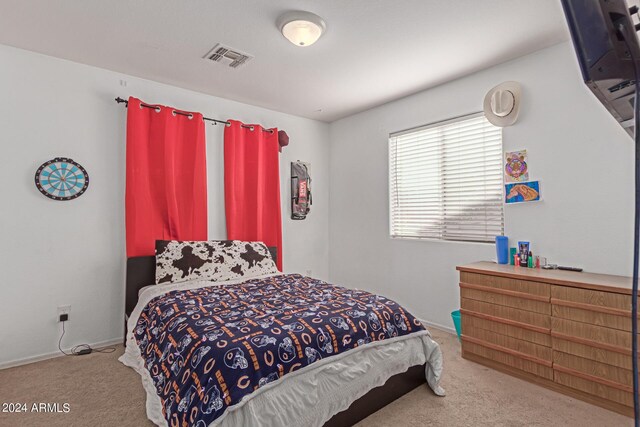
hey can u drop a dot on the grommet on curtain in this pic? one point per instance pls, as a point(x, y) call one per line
point(175, 112)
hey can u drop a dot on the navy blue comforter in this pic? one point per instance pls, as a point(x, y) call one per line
point(208, 348)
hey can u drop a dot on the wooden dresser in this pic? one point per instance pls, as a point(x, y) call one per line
point(567, 331)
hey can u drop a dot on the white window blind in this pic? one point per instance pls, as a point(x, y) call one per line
point(445, 181)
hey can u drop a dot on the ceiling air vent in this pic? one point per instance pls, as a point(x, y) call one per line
point(227, 55)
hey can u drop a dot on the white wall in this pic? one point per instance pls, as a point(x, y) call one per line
point(59, 253)
point(582, 157)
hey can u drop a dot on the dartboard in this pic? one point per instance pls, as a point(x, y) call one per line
point(62, 179)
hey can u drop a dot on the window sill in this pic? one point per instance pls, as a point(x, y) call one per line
point(433, 240)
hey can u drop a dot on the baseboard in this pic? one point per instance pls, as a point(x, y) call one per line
point(443, 328)
point(55, 354)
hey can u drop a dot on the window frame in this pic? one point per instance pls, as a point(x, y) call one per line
point(390, 178)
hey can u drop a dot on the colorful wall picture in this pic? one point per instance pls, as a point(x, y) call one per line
point(515, 166)
point(522, 192)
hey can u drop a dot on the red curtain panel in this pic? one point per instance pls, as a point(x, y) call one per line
point(166, 188)
point(252, 185)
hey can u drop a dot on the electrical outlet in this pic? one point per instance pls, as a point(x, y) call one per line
point(64, 310)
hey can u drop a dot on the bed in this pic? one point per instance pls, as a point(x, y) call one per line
point(266, 349)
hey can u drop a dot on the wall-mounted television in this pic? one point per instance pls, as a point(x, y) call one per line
point(605, 56)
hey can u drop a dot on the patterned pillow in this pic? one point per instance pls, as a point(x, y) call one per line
point(216, 260)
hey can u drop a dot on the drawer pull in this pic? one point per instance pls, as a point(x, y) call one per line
point(507, 292)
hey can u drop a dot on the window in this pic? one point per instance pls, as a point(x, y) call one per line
point(445, 181)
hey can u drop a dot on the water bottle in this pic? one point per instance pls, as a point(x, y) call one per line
point(502, 249)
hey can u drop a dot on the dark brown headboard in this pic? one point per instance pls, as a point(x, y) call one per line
point(141, 271)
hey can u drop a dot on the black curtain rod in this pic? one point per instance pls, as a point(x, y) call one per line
point(214, 121)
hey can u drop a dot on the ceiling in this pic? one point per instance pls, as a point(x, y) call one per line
point(373, 51)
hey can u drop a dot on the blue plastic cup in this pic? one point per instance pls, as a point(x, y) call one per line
point(502, 249)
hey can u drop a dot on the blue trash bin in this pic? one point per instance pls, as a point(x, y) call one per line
point(457, 321)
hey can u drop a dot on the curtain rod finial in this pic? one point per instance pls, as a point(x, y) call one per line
point(120, 101)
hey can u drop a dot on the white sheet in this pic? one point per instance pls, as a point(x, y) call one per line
point(311, 395)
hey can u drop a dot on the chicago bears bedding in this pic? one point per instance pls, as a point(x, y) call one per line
point(206, 349)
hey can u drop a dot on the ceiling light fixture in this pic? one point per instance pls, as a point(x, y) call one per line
point(301, 28)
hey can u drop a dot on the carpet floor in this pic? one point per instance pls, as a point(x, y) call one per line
point(101, 391)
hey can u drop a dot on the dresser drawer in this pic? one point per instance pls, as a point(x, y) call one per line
point(594, 336)
point(561, 309)
point(617, 377)
point(613, 358)
point(594, 388)
point(490, 323)
point(535, 321)
point(506, 283)
point(598, 308)
point(521, 347)
point(506, 358)
point(520, 301)
point(616, 303)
